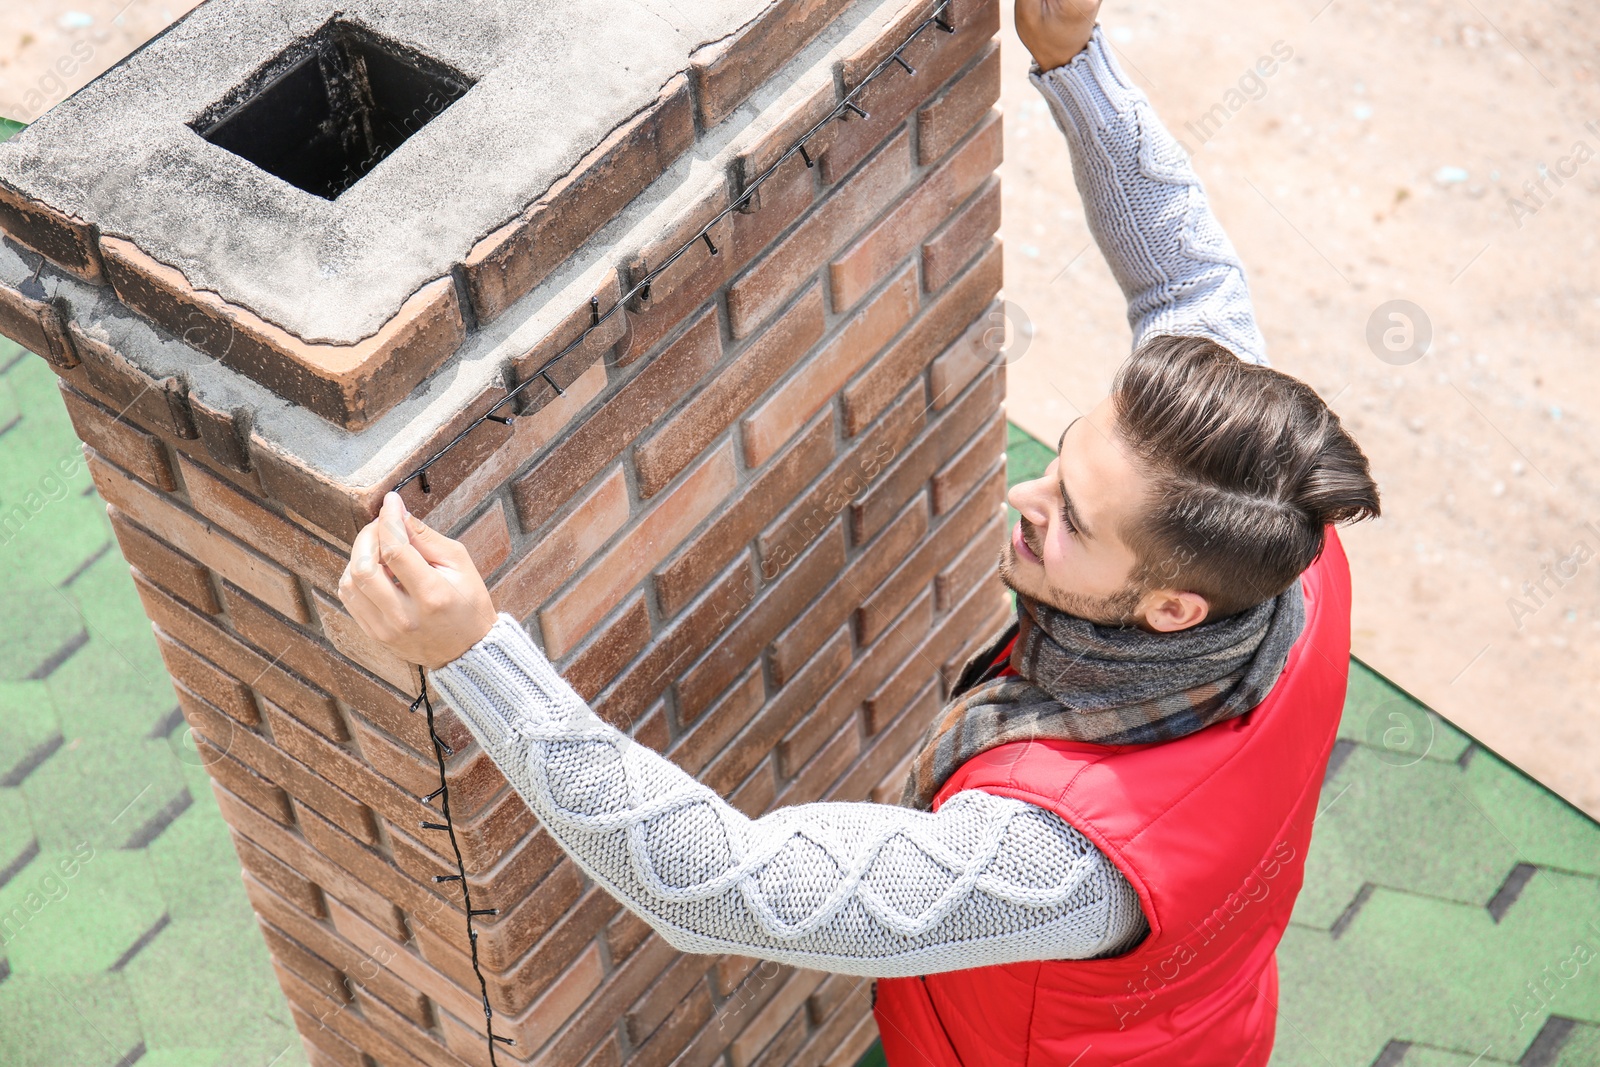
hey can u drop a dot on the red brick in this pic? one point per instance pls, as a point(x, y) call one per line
point(760, 1031)
point(896, 694)
point(474, 779)
point(572, 366)
point(709, 551)
point(621, 567)
point(262, 528)
point(954, 244)
point(183, 530)
point(969, 356)
point(365, 971)
point(513, 990)
point(831, 760)
point(977, 562)
point(364, 1029)
point(770, 611)
point(225, 432)
point(155, 405)
point(892, 787)
point(101, 429)
point(318, 1015)
point(832, 992)
point(902, 727)
point(475, 442)
point(600, 1014)
point(945, 119)
point(530, 435)
point(846, 481)
point(847, 590)
point(824, 1044)
point(507, 885)
point(783, 199)
point(63, 239)
point(943, 321)
point(731, 69)
point(732, 389)
point(566, 547)
point(670, 276)
point(952, 482)
point(603, 658)
point(861, 337)
point(785, 1043)
point(679, 1029)
point(295, 853)
point(505, 265)
point(855, 1044)
point(912, 470)
point(912, 576)
point(261, 793)
point(758, 793)
point(665, 995)
point(210, 681)
point(781, 134)
point(679, 646)
point(37, 325)
point(350, 385)
point(354, 644)
point(625, 933)
point(854, 272)
point(319, 973)
point(730, 972)
point(790, 263)
point(164, 565)
point(706, 738)
point(488, 539)
point(601, 437)
point(865, 676)
point(609, 1054)
point(290, 649)
point(302, 785)
point(264, 675)
point(966, 628)
point(889, 100)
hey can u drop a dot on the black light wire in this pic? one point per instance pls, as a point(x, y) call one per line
point(441, 750)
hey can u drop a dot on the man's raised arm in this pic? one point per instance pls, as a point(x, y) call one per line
point(1143, 201)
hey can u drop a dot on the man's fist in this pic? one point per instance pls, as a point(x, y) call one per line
point(1055, 30)
point(414, 590)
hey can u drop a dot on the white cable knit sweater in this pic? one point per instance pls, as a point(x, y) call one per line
point(861, 888)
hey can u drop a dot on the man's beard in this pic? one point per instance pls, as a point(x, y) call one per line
point(1114, 610)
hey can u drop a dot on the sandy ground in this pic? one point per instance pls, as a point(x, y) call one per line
point(1430, 152)
point(1387, 161)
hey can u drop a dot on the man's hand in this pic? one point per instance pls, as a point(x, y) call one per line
point(1055, 31)
point(414, 590)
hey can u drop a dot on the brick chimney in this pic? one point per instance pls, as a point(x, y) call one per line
point(284, 254)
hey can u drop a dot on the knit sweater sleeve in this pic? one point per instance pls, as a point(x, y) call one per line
point(857, 888)
point(1147, 210)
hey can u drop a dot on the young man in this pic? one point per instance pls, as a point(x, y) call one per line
point(1104, 831)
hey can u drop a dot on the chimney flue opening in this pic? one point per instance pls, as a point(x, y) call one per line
point(327, 110)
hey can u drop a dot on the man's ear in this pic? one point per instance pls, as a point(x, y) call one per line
point(1170, 610)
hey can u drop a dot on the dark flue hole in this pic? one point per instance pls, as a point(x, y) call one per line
point(326, 111)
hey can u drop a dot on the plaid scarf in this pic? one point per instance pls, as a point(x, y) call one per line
point(1107, 685)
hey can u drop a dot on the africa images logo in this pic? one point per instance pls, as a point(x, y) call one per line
point(1156, 976)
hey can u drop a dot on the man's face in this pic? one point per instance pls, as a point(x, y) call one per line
point(1067, 550)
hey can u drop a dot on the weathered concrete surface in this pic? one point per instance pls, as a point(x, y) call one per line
point(120, 153)
point(367, 457)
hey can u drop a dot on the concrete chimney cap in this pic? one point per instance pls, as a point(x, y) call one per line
point(543, 84)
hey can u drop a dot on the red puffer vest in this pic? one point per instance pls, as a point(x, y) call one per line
point(1211, 830)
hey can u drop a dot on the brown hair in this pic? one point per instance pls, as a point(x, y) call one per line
point(1246, 465)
